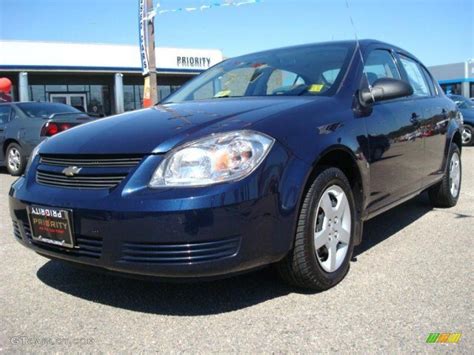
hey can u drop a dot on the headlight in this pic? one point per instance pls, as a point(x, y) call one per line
point(461, 117)
point(33, 155)
point(217, 158)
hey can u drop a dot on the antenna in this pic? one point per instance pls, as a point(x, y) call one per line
point(358, 47)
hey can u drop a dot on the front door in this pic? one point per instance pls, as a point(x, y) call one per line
point(78, 101)
point(394, 138)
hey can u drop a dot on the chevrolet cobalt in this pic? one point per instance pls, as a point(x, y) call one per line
point(276, 158)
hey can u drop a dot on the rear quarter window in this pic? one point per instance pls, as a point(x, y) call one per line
point(4, 114)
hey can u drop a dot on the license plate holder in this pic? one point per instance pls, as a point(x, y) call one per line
point(51, 225)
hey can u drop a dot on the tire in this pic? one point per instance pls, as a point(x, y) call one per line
point(467, 135)
point(305, 266)
point(444, 194)
point(15, 159)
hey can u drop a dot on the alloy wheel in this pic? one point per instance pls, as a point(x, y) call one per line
point(14, 159)
point(454, 174)
point(332, 228)
point(466, 136)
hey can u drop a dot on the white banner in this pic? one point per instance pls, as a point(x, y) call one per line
point(143, 22)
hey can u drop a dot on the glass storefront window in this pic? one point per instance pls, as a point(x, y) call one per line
point(99, 100)
point(163, 91)
point(133, 97)
point(80, 88)
point(37, 93)
point(452, 89)
point(97, 96)
point(56, 88)
point(166, 90)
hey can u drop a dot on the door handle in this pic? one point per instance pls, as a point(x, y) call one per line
point(415, 119)
point(444, 113)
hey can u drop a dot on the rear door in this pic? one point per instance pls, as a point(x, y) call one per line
point(434, 124)
point(395, 145)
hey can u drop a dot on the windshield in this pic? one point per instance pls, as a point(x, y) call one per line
point(305, 70)
point(45, 109)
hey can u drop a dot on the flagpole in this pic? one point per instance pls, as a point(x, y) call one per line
point(150, 42)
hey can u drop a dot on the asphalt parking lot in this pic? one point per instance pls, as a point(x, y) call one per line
point(412, 277)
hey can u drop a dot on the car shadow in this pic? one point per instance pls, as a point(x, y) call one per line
point(167, 298)
point(387, 224)
point(209, 297)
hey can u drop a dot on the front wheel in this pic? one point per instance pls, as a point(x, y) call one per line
point(324, 238)
point(446, 193)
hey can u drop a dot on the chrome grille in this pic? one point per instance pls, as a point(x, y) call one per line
point(183, 253)
point(85, 246)
point(96, 172)
point(93, 162)
point(86, 182)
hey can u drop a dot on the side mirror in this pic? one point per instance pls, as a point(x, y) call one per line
point(384, 89)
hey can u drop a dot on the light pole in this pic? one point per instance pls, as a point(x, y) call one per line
point(151, 54)
point(147, 50)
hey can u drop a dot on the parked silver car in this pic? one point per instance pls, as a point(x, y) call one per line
point(23, 125)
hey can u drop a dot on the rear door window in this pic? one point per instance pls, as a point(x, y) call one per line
point(429, 80)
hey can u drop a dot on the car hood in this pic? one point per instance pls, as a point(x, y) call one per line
point(159, 129)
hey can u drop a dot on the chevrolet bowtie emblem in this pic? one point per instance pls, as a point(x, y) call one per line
point(71, 171)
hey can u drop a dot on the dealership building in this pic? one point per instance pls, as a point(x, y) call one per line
point(456, 78)
point(102, 78)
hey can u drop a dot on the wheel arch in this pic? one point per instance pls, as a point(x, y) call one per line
point(457, 139)
point(342, 157)
point(7, 142)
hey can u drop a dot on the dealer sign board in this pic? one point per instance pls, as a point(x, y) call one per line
point(46, 56)
point(187, 59)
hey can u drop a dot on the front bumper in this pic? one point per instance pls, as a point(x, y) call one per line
point(199, 243)
point(213, 232)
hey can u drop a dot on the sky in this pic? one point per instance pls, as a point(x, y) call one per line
point(436, 31)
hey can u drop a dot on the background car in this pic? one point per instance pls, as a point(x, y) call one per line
point(23, 125)
point(466, 107)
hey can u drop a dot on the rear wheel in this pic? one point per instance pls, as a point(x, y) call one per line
point(467, 138)
point(15, 159)
point(446, 193)
point(324, 239)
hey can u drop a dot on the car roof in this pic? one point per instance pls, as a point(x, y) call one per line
point(363, 43)
point(32, 103)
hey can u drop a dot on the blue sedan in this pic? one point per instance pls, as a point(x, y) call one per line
point(276, 158)
point(467, 109)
